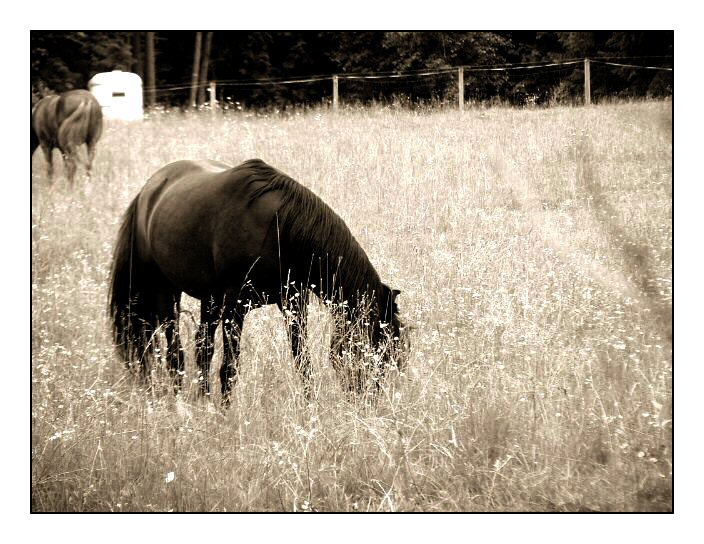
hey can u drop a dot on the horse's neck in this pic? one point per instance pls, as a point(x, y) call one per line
point(365, 306)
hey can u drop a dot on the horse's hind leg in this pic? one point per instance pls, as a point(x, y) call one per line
point(232, 322)
point(71, 166)
point(47, 150)
point(205, 336)
point(166, 311)
point(174, 353)
point(90, 146)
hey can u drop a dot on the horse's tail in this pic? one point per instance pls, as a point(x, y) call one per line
point(128, 305)
point(33, 136)
point(94, 121)
point(74, 129)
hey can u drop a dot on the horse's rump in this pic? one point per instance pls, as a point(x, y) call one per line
point(44, 121)
point(66, 122)
point(79, 119)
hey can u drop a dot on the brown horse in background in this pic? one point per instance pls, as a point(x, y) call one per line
point(66, 122)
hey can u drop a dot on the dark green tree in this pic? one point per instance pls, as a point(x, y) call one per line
point(632, 47)
point(67, 60)
point(61, 61)
point(653, 48)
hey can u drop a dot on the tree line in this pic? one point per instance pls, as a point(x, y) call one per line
point(176, 65)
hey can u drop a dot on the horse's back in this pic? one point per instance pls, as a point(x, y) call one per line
point(182, 170)
point(196, 224)
point(187, 178)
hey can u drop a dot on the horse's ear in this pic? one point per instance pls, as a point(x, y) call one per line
point(394, 292)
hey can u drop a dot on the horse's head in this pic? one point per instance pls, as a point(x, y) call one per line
point(390, 334)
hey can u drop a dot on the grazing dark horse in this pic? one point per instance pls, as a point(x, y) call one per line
point(66, 122)
point(239, 238)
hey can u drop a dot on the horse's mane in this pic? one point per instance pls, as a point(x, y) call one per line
point(308, 224)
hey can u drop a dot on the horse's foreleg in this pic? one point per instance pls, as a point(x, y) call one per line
point(209, 317)
point(296, 324)
point(343, 355)
point(232, 322)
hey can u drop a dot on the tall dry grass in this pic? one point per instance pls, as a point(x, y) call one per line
point(534, 252)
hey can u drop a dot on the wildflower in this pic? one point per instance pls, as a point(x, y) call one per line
point(453, 438)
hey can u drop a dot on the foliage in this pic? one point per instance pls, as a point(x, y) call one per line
point(641, 48)
point(63, 60)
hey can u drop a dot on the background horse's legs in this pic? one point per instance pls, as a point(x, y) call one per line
point(71, 165)
point(232, 322)
point(296, 326)
point(209, 319)
point(90, 146)
point(48, 150)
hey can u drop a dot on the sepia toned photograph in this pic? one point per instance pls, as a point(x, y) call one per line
point(325, 271)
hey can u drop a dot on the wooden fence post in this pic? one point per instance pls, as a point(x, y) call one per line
point(213, 97)
point(196, 69)
point(460, 87)
point(587, 84)
point(335, 96)
point(205, 61)
point(151, 71)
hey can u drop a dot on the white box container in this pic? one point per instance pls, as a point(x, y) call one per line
point(119, 94)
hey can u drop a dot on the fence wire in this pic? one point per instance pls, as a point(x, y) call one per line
point(532, 82)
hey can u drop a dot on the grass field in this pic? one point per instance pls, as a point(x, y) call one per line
point(533, 249)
